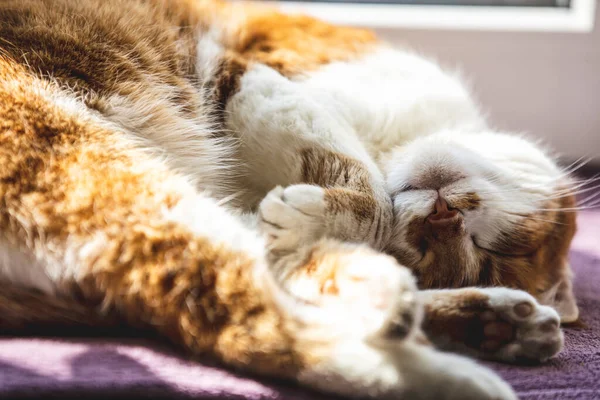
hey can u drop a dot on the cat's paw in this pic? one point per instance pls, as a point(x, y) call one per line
point(293, 217)
point(359, 313)
point(453, 377)
point(517, 327)
point(365, 294)
point(494, 323)
point(404, 370)
point(379, 296)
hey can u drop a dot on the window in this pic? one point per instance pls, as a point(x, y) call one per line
point(507, 15)
point(498, 3)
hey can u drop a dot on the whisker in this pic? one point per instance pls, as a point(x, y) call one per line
point(582, 182)
point(573, 190)
point(510, 190)
point(518, 189)
point(587, 182)
point(588, 199)
point(576, 191)
point(229, 199)
point(574, 163)
point(544, 220)
point(572, 209)
point(593, 206)
point(571, 168)
point(532, 219)
point(582, 207)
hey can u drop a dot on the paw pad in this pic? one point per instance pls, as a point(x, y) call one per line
point(517, 327)
point(523, 309)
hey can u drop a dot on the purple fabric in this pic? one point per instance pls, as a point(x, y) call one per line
point(75, 368)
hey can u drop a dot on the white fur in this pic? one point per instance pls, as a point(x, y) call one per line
point(293, 224)
point(561, 298)
point(403, 371)
point(408, 115)
point(184, 143)
point(206, 218)
point(22, 269)
point(275, 118)
point(44, 265)
point(404, 112)
point(411, 115)
point(511, 176)
point(390, 97)
point(209, 51)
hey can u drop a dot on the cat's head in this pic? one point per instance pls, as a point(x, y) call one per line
point(483, 209)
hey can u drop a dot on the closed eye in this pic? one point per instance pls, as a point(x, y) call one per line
point(403, 189)
point(474, 240)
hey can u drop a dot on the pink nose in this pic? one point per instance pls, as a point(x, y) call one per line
point(441, 213)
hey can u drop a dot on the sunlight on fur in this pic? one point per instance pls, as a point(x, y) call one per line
point(290, 198)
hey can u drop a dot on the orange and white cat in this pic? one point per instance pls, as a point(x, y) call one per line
point(291, 198)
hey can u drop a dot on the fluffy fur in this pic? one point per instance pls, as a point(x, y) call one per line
point(230, 178)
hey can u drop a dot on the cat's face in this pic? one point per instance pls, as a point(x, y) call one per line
point(483, 209)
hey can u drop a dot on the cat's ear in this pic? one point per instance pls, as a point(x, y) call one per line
point(560, 297)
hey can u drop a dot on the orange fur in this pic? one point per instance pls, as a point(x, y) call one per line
point(153, 273)
point(296, 44)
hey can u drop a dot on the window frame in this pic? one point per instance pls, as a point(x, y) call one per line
point(578, 17)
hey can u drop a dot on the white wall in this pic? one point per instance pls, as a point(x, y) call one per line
point(547, 84)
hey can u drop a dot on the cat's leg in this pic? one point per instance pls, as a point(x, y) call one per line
point(351, 336)
point(326, 185)
point(494, 323)
point(351, 291)
point(215, 298)
point(88, 217)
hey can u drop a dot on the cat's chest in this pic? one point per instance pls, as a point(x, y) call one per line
point(391, 97)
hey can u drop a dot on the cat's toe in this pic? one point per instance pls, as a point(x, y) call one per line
point(517, 327)
point(307, 199)
point(292, 217)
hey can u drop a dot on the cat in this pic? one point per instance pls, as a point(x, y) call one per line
point(293, 199)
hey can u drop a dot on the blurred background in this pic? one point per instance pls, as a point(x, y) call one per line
point(533, 64)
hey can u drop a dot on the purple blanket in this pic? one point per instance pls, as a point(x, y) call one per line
point(139, 369)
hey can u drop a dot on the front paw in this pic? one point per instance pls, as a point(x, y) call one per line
point(517, 327)
point(493, 323)
point(293, 217)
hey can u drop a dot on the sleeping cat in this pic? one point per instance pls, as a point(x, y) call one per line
point(270, 191)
